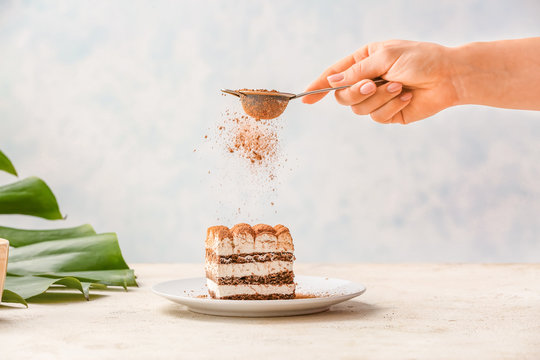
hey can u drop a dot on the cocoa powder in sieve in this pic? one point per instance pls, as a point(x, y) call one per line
point(259, 105)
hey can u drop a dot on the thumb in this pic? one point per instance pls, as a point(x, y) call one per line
point(373, 66)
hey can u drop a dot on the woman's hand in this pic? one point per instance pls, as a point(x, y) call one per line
point(420, 81)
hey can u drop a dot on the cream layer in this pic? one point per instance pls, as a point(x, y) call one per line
point(261, 289)
point(246, 269)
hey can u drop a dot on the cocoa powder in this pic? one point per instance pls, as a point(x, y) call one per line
point(253, 140)
point(262, 103)
point(253, 148)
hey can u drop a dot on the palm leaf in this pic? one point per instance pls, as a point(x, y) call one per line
point(30, 196)
point(6, 165)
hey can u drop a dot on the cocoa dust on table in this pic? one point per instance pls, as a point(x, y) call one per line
point(297, 296)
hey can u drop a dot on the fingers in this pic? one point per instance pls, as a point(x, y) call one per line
point(370, 67)
point(391, 111)
point(381, 96)
point(322, 82)
point(368, 62)
point(356, 93)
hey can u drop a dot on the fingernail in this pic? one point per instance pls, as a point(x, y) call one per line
point(335, 77)
point(367, 88)
point(406, 97)
point(393, 87)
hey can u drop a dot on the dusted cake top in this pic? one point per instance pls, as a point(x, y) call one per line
point(264, 229)
point(243, 238)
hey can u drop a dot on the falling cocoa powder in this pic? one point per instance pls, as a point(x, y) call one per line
point(255, 141)
point(253, 153)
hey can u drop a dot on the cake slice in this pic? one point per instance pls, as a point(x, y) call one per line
point(249, 263)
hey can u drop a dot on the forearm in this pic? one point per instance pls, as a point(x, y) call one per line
point(503, 74)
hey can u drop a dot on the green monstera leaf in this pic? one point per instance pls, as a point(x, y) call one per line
point(77, 262)
point(75, 258)
point(30, 196)
point(6, 165)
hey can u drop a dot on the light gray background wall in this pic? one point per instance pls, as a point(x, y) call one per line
point(107, 100)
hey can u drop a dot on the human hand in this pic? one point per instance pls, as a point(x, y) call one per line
point(419, 74)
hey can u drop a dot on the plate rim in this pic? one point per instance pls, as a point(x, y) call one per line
point(322, 299)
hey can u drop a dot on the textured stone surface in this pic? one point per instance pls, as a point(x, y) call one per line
point(408, 312)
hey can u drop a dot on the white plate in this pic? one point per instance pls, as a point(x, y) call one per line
point(328, 292)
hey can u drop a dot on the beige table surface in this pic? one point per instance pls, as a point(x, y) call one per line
point(422, 311)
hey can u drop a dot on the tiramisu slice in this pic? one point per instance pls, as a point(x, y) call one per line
point(249, 263)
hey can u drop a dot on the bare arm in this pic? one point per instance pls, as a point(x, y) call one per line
point(425, 78)
point(503, 74)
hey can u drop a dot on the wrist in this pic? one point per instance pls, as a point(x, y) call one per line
point(462, 70)
point(476, 67)
point(498, 73)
